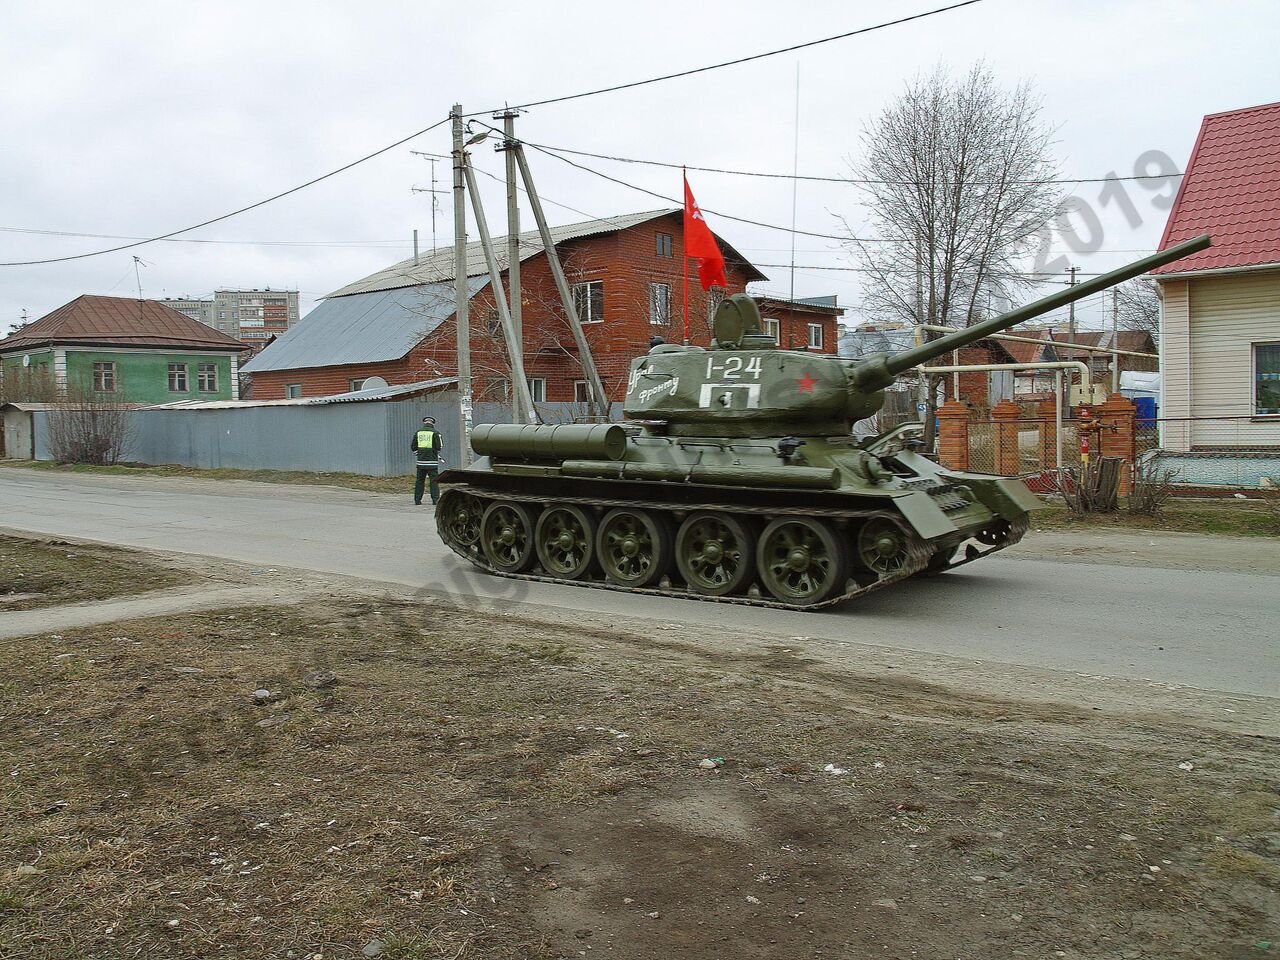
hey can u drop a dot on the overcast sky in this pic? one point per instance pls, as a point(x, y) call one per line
point(137, 118)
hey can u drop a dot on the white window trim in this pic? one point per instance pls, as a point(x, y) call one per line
point(107, 366)
point(214, 370)
point(533, 392)
point(289, 393)
point(772, 328)
point(815, 328)
point(581, 386)
point(574, 293)
point(666, 322)
point(356, 383)
point(184, 372)
point(1253, 379)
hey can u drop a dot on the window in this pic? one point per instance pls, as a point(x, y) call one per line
point(580, 394)
point(207, 377)
point(815, 336)
point(538, 389)
point(493, 322)
point(1266, 379)
point(357, 384)
point(771, 329)
point(104, 377)
point(660, 303)
point(178, 378)
point(292, 391)
point(663, 245)
point(588, 300)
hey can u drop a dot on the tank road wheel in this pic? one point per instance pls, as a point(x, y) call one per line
point(882, 547)
point(715, 553)
point(506, 536)
point(565, 538)
point(633, 547)
point(801, 560)
point(458, 520)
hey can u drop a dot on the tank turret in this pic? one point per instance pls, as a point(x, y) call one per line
point(737, 477)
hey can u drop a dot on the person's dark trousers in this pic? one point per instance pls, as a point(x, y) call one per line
point(424, 474)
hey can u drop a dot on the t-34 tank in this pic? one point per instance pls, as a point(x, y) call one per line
point(737, 478)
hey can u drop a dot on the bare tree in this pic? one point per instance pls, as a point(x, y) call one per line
point(86, 426)
point(1138, 306)
point(959, 170)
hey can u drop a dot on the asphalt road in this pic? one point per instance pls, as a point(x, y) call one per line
point(1211, 629)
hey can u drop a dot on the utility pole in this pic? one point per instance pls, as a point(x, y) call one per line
point(1115, 339)
point(461, 304)
point(1085, 388)
point(924, 399)
point(415, 246)
point(521, 402)
point(599, 400)
point(508, 118)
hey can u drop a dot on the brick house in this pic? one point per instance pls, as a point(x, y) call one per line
point(398, 323)
point(811, 323)
point(135, 351)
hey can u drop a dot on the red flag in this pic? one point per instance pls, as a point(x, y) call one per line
point(700, 244)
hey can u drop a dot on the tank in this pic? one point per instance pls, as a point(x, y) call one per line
point(736, 476)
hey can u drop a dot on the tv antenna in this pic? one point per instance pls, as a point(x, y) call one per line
point(435, 201)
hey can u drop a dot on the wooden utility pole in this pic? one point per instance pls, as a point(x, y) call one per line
point(462, 324)
point(521, 403)
point(598, 400)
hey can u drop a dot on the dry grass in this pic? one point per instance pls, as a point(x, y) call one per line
point(45, 573)
point(351, 481)
point(484, 787)
point(1233, 518)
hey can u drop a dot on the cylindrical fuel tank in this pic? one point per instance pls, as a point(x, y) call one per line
point(531, 442)
point(811, 478)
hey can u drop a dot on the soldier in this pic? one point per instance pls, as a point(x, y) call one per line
point(426, 445)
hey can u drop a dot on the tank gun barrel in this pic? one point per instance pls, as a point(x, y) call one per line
point(876, 370)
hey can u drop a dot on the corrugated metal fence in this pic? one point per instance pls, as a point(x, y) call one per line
point(370, 438)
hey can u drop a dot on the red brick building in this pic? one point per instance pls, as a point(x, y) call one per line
point(399, 324)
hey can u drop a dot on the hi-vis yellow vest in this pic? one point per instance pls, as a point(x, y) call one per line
point(426, 440)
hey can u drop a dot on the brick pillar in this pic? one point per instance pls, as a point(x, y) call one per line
point(1119, 435)
point(1048, 413)
point(953, 435)
point(1004, 417)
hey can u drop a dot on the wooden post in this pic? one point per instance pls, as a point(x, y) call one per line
point(1004, 417)
point(953, 435)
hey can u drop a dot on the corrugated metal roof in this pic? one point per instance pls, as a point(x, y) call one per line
point(120, 321)
point(362, 328)
point(438, 266)
point(857, 344)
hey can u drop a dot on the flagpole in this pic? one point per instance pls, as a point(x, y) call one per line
point(684, 256)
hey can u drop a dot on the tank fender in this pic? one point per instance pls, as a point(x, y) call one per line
point(925, 516)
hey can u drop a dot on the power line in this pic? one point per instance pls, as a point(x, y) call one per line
point(233, 213)
point(726, 63)
point(820, 179)
point(355, 244)
point(718, 213)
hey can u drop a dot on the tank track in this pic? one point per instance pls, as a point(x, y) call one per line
point(917, 561)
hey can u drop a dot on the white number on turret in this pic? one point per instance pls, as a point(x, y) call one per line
point(732, 368)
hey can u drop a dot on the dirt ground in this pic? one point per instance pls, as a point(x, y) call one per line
point(420, 781)
point(44, 573)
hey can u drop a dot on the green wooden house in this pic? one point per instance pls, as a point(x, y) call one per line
point(136, 351)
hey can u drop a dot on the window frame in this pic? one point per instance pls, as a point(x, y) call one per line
point(815, 327)
point(1253, 379)
point(293, 391)
point(580, 392)
point(179, 373)
point(108, 369)
point(356, 383)
point(654, 287)
point(772, 327)
point(663, 245)
point(202, 369)
point(539, 394)
point(588, 284)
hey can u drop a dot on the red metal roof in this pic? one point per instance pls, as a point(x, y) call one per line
point(119, 321)
point(1231, 191)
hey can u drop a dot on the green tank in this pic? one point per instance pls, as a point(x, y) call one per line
point(736, 476)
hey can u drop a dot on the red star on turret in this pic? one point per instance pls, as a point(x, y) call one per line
point(806, 383)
